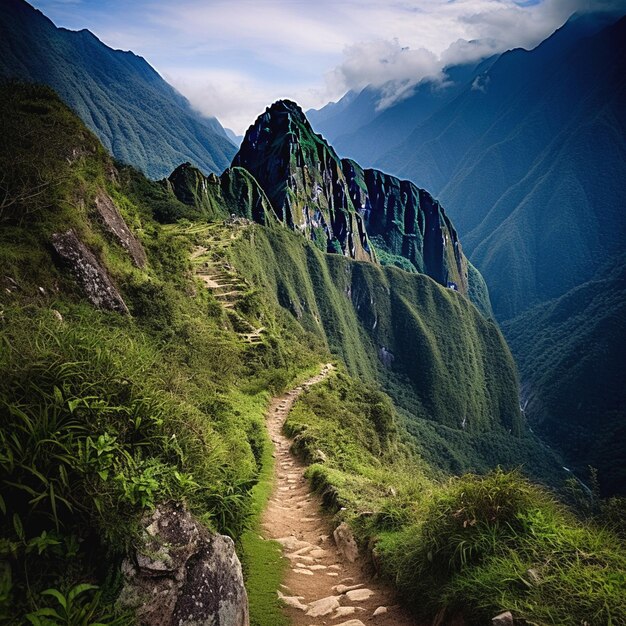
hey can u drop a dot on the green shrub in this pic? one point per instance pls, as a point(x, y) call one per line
point(494, 543)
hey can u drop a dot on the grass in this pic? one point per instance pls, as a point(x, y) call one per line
point(355, 309)
point(474, 545)
point(263, 562)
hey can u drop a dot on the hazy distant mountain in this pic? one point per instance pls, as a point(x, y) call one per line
point(363, 131)
point(528, 158)
point(236, 139)
point(139, 118)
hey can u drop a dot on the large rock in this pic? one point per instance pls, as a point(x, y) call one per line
point(88, 271)
point(345, 542)
point(184, 575)
point(115, 224)
point(504, 619)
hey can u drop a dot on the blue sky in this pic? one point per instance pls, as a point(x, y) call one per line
point(232, 58)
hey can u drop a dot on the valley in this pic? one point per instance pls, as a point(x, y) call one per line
point(275, 384)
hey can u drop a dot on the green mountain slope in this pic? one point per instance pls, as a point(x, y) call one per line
point(136, 115)
point(526, 152)
point(109, 410)
point(570, 354)
point(364, 214)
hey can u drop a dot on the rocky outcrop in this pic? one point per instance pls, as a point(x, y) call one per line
point(88, 271)
point(405, 221)
point(303, 179)
point(184, 575)
point(504, 619)
point(235, 192)
point(344, 539)
point(115, 224)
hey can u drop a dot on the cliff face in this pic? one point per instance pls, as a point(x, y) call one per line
point(405, 221)
point(304, 180)
point(286, 174)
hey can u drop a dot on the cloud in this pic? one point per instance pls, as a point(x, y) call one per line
point(378, 62)
point(232, 58)
point(480, 83)
point(430, 35)
point(235, 98)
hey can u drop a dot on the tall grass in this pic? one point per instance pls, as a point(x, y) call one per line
point(475, 545)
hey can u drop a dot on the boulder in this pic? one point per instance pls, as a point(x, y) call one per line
point(345, 542)
point(184, 575)
point(88, 271)
point(115, 224)
point(323, 606)
point(504, 619)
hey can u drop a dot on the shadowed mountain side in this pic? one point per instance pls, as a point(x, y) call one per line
point(137, 116)
point(571, 358)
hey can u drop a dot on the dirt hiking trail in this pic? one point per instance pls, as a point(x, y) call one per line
point(322, 586)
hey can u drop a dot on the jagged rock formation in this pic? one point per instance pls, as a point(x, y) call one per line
point(115, 224)
point(88, 271)
point(405, 221)
point(285, 173)
point(234, 192)
point(303, 178)
point(184, 575)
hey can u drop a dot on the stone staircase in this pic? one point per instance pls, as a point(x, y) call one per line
point(220, 278)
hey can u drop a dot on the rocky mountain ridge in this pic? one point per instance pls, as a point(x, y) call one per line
point(285, 173)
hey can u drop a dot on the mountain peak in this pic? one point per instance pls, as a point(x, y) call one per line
point(303, 178)
point(338, 205)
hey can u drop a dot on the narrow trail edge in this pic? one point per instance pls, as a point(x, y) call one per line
point(321, 586)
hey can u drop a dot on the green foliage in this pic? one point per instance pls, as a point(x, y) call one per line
point(476, 545)
point(136, 115)
point(106, 416)
point(262, 560)
point(74, 609)
point(488, 544)
point(446, 361)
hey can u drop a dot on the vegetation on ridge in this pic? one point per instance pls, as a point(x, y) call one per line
point(470, 545)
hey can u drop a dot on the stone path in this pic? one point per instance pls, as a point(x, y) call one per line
point(322, 586)
point(228, 289)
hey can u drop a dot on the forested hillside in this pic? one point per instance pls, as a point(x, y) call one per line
point(137, 116)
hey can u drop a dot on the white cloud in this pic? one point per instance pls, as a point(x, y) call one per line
point(232, 58)
point(380, 61)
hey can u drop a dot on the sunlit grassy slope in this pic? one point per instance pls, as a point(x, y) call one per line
point(471, 546)
point(106, 415)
